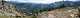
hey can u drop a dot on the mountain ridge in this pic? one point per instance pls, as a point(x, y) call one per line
point(27, 7)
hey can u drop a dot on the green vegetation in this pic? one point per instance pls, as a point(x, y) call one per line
point(34, 17)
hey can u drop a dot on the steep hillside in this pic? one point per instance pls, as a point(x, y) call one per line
point(8, 10)
point(70, 10)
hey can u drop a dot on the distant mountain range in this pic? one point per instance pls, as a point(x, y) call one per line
point(28, 7)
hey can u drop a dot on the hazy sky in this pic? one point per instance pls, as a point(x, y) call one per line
point(39, 1)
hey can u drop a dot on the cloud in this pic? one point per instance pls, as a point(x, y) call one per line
point(38, 1)
point(35, 1)
point(71, 0)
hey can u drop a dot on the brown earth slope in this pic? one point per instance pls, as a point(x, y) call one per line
point(68, 12)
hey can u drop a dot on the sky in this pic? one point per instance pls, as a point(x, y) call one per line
point(39, 1)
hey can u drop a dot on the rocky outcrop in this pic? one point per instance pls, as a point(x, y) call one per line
point(8, 10)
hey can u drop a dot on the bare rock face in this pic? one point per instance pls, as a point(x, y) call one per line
point(68, 12)
point(8, 10)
